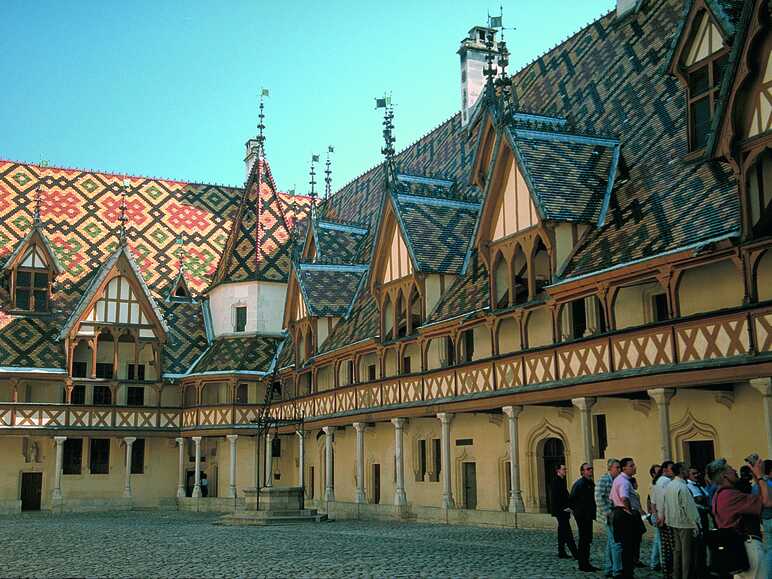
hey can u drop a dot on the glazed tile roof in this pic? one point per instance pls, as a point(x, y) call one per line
point(338, 241)
point(362, 323)
point(186, 340)
point(27, 342)
point(468, 294)
point(239, 354)
point(328, 290)
point(570, 176)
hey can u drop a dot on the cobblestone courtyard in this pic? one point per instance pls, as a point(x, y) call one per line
point(172, 544)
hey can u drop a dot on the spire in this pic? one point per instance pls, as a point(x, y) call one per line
point(261, 125)
point(489, 70)
point(123, 219)
point(328, 174)
point(388, 134)
point(179, 253)
point(312, 183)
point(503, 52)
point(36, 221)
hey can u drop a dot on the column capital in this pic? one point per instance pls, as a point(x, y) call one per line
point(762, 385)
point(512, 411)
point(398, 422)
point(661, 395)
point(129, 440)
point(301, 433)
point(445, 417)
point(232, 438)
point(584, 404)
point(60, 439)
point(359, 426)
point(269, 436)
point(328, 430)
point(179, 440)
point(196, 439)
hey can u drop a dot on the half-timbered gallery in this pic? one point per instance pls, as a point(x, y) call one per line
point(573, 267)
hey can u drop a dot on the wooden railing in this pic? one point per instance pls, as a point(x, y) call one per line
point(31, 415)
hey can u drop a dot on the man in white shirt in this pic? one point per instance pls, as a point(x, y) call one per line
point(681, 517)
point(665, 533)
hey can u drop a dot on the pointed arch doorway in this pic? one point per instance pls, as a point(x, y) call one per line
point(551, 454)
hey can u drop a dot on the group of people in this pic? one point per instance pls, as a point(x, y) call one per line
point(682, 508)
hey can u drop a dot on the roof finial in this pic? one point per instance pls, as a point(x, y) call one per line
point(312, 183)
point(328, 173)
point(123, 219)
point(388, 125)
point(498, 22)
point(261, 125)
point(36, 221)
point(179, 253)
point(489, 70)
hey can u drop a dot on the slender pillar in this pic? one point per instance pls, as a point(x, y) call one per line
point(181, 468)
point(516, 504)
point(329, 490)
point(232, 438)
point(662, 397)
point(359, 496)
point(400, 498)
point(445, 468)
point(268, 459)
point(56, 494)
point(129, 440)
point(764, 387)
point(197, 485)
point(301, 457)
point(585, 412)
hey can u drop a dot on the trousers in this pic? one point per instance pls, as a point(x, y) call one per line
point(585, 540)
point(566, 535)
point(683, 553)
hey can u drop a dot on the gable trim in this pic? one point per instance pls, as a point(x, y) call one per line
point(438, 202)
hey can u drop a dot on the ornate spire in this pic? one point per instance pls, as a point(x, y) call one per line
point(490, 70)
point(36, 221)
point(261, 125)
point(328, 174)
point(123, 219)
point(498, 22)
point(179, 253)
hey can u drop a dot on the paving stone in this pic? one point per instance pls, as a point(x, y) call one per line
point(181, 544)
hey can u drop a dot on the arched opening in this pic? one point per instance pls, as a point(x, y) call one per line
point(508, 336)
point(325, 378)
point(551, 454)
point(388, 318)
point(501, 281)
point(81, 360)
point(581, 318)
point(639, 304)
point(724, 281)
point(520, 277)
point(190, 398)
point(759, 191)
point(368, 367)
point(475, 344)
point(538, 329)
point(416, 318)
point(764, 277)
point(440, 353)
point(542, 270)
point(105, 356)
point(391, 364)
point(128, 357)
point(401, 316)
point(346, 372)
point(411, 359)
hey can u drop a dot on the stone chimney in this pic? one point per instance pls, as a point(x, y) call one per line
point(472, 54)
point(251, 156)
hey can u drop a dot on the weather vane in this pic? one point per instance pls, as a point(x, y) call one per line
point(328, 173)
point(261, 125)
point(312, 175)
point(388, 125)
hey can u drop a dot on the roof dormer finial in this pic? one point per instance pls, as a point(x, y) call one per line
point(312, 183)
point(179, 253)
point(388, 126)
point(123, 219)
point(328, 173)
point(261, 125)
point(36, 221)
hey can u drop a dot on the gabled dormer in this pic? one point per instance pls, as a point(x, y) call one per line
point(549, 185)
point(30, 272)
point(423, 243)
point(179, 290)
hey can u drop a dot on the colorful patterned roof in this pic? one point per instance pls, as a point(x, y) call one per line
point(570, 176)
point(328, 290)
point(468, 294)
point(362, 323)
point(186, 340)
point(239, 354)
point(339, 242)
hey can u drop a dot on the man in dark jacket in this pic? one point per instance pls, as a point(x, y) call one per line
point(582, 502)
point(561, 510)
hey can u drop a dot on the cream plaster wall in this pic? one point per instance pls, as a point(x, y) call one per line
point(264, 302)
point(539, 327)
point(721, 280)
point(509, 336)
point(631, 307)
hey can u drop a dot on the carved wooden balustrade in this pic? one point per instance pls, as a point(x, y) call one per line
point(33, 415)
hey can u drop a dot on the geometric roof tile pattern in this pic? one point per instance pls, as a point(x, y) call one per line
point(468, 294)
point(186, 340)
point(338, 242)
point(239, 353)
point(362, 323)
point(328, 290)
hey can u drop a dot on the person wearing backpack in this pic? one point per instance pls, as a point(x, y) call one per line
point(740, 513)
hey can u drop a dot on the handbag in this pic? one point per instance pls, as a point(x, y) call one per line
point(726, 548)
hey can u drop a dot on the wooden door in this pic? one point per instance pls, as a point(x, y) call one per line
point(31, 490)
point(470, 485)
point(376, 484)
point(699, 453)
point(553, 455)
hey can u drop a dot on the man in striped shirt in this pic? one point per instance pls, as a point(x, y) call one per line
point(605, 508)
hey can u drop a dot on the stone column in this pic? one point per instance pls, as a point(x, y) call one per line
point(197, 485)
point(585, 412)
point(359, 496)
point(129, 440)
point(329, 490)
point(447, 491)
point(764, 387)
point(662, 397)
point(56, 494)
point(268, 459)
point(400, 498)
point(181, 467)
point(516, 504)
point(301, 457)
point(232, 438)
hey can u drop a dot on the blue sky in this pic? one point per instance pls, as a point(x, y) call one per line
point(169, 88)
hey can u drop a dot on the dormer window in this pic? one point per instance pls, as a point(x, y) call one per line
point(704, 82)
point(31, 283)
point(240, 322)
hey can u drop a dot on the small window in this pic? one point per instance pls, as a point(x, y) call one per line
point(436, 459)
point(703, 85)
point(242, 393)
point(468, 346)
point(72, 458)
point(422, 460)
point(135, 371)
point(276, 447)
point(450, 353)
point(138, 456)
point(350, 371)
point(102, 395)
point(79, 369)
point(78, 395)
point(99, 456)
point(32, 290)
point(241, 319)
point(659, 311)
point(135, 396)
point(601, 435)
point(406, 365)
point(104, 370)
point(371, 372)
